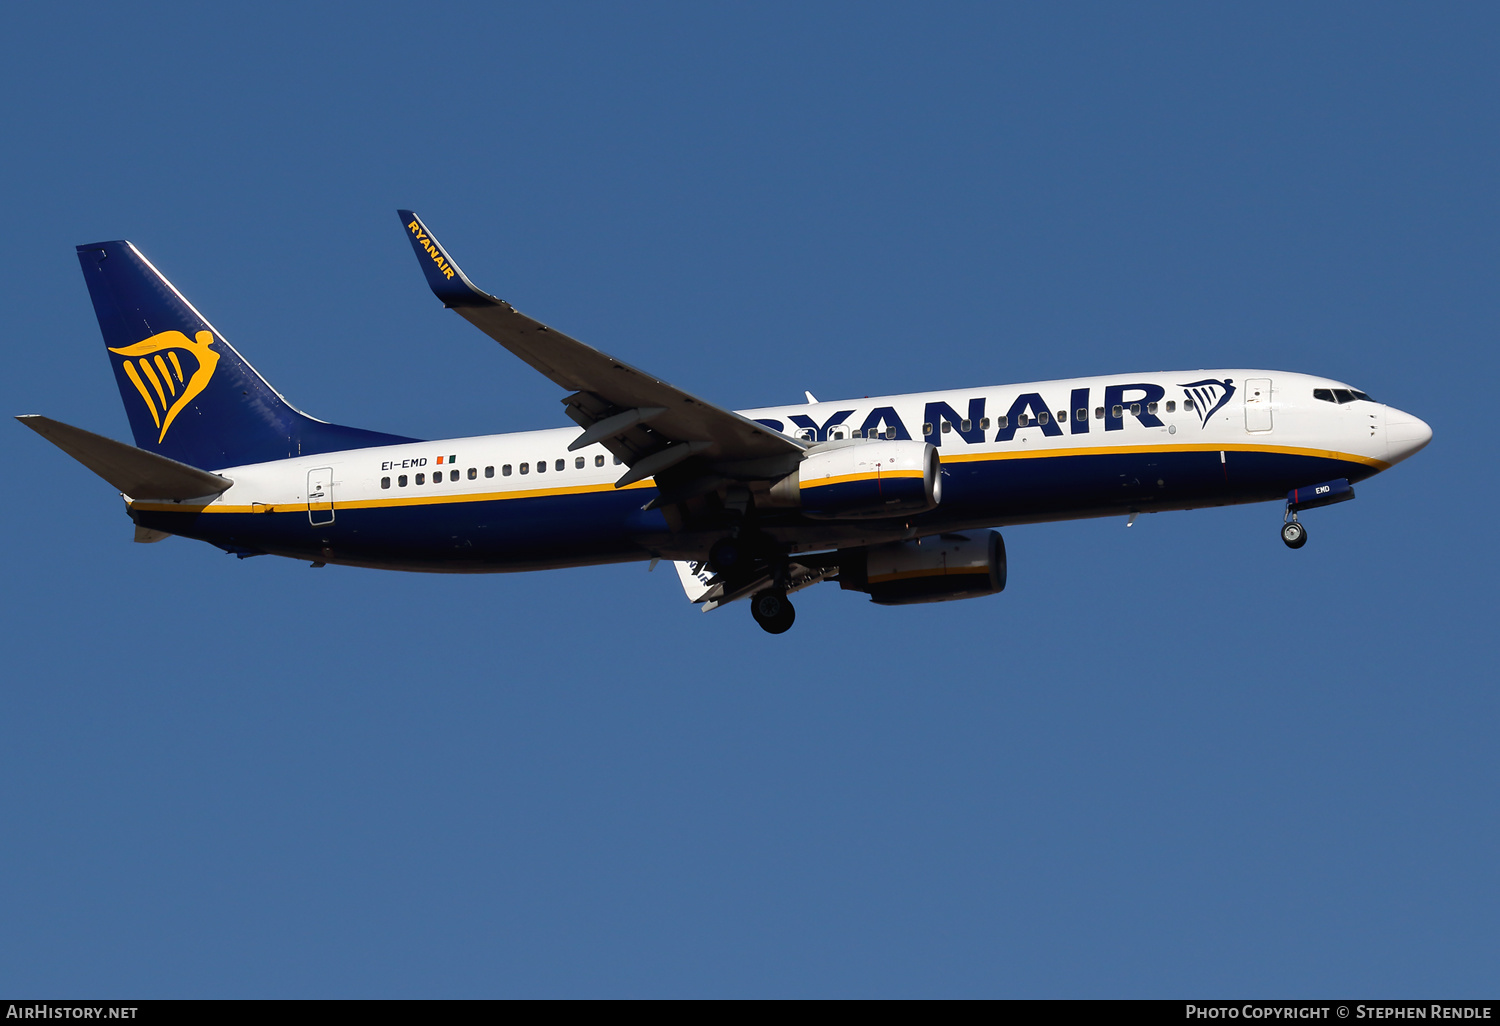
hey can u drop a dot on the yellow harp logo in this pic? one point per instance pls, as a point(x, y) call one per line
point(155, 360)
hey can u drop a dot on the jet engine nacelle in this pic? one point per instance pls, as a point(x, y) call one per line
point(864, 478)
point(949, 566)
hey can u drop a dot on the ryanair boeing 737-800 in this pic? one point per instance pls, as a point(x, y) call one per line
point(896, 497)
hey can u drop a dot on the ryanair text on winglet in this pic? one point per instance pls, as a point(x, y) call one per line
point(431, 248)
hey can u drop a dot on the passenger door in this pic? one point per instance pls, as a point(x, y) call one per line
point(1257, 404)
point(320, 496)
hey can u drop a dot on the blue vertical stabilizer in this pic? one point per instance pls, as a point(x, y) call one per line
point(189, 395)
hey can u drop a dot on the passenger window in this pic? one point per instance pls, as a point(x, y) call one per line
point(618, 461)
point(859, 432)
point(890, 432)
point(1081, 413)
point(560, 465)
point(1023, 419)
point(526, 468)
point(838, 434)
point(401, 481)
point(1062, 416)
point(984, 425)
point(1116, 412)
point(1003, 422)
point(1187, 404)
point(1135, 409)
point(1043, 417)
point(490, 471)
point(927, 429)
point(541, 466)
point(967, 425)
point(505, 470)
point(421, 478)
point(385, 482)
point(1171, 405)
point(598, 461)
point(1098, 413)
point(947, 427)
point(473, 473)
point(1150, 407)
point(578, 463)
point(453, 475)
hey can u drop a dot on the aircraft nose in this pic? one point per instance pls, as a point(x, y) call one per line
point(1405, 435)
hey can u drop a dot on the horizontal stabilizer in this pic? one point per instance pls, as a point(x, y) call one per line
point(136, 472)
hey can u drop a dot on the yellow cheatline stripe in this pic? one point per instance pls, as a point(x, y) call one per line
point(135, 379)
point(161, 365)
point(440, 499)
point(175, 365)
point(1112, 450)
point(382, 503)
point(905, 575)
point(155, 383)
point(846, 478)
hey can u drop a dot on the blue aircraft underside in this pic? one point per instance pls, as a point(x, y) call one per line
point(610, 526)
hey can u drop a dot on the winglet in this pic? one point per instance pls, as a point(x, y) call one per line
point(448, 283)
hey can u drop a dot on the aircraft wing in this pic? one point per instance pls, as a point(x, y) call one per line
point(648, 423)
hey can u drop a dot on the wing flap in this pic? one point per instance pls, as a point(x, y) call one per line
point(704, 588)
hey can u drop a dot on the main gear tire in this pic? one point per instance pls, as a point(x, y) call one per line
point(772, 611)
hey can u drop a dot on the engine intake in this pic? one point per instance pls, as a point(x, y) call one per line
point(864, 478)
point(950, 566)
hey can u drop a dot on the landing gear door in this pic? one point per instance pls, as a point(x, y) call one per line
point(320, 496)
point(1257, 404)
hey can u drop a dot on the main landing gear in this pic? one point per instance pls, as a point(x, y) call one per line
point(772, 611)
point(745, 556)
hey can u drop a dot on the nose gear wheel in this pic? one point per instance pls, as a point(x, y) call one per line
point(1294, 534)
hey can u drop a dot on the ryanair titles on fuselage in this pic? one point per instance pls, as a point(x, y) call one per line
point(1140, 401)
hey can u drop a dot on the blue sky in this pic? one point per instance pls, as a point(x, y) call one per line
point(1175, 761)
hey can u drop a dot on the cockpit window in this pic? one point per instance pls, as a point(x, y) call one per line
point(1340, 395)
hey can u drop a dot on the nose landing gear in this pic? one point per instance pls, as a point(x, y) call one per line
point(1311, 497)
point(1292, 532)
